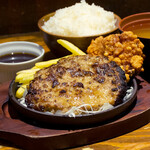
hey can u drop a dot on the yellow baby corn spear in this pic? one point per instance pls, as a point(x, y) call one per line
point(21, 90)
point(71, 47)
point(26, 79)
point(28, 71)
point(46, 63)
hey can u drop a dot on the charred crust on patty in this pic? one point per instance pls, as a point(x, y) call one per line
point(78, 84)
point(99, 79)
point(62, 91)
point(55, 83)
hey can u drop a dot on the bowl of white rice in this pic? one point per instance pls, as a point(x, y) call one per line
point(79, 24)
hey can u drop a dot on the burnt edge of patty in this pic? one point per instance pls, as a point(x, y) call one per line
point(123, 84)
point(106, 69)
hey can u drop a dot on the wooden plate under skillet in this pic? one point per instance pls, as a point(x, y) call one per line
point(29, 135)
point(64, 121)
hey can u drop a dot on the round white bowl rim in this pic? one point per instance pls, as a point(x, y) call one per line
point(24, 62)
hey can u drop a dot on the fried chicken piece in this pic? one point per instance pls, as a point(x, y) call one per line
point(125, 49)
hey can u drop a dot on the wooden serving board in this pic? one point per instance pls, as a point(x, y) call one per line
point(27, 135)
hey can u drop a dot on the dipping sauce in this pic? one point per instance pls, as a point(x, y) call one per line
point(141, 29)
point(16, 57)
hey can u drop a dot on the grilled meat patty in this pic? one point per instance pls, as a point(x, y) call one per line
point(74, 81)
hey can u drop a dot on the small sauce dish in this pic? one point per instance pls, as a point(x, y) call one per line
point(139, 24)
point(16, 56)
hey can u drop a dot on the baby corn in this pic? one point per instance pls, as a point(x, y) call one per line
point(46, 63)
point(21, 91)
point(69, 46)
point(28, 71)
point(26, 79)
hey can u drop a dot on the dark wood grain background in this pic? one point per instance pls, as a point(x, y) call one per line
point(21, 16)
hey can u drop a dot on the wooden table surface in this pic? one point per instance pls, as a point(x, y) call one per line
point(135, 140)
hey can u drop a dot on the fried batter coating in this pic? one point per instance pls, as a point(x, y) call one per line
point(125, 49)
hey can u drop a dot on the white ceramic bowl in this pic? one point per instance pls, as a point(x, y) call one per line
point(8, 70)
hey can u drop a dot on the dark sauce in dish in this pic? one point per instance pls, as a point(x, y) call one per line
point(16, 57)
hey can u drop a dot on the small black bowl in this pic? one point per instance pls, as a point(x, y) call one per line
point(65, 121)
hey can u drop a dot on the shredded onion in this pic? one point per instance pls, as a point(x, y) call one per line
point(82, 109)
point(71, 112)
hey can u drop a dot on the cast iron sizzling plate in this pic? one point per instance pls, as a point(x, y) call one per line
point(62, 120)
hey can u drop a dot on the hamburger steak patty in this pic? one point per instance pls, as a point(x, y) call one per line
point(74, 81)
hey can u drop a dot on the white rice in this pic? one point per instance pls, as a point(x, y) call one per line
point(81, 19)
